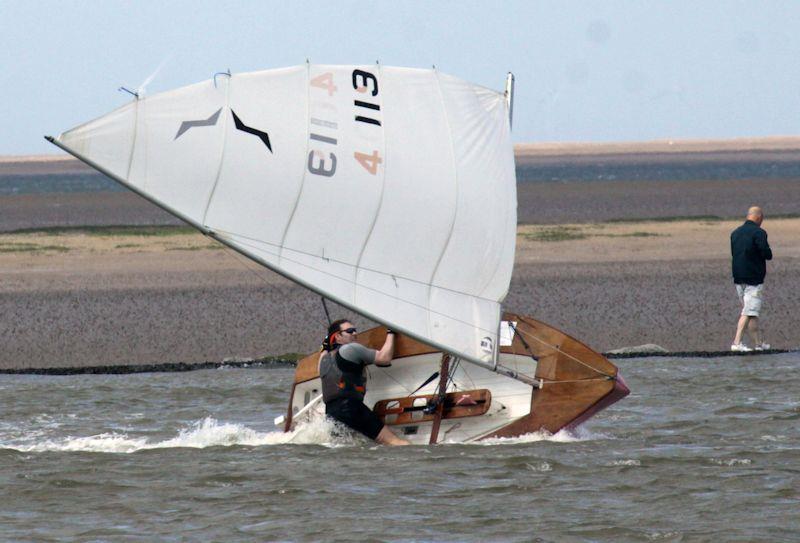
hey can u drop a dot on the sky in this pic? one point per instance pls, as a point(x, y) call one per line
point(587, 71)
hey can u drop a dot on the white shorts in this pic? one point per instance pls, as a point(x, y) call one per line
point(751, 298)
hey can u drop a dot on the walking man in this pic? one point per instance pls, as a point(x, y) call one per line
point(341, 369)
point(749, 254)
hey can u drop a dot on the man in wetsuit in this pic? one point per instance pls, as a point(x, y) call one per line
point(341, 369)
point(749, 254)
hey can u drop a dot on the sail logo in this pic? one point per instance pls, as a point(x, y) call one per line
point(263, 136)
point(487, 345)
point(212, 121)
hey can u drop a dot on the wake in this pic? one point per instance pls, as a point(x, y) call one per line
point(202, 434)
point(209, 432)
point(562, 436)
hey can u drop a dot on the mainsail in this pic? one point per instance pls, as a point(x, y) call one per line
point(391, 191)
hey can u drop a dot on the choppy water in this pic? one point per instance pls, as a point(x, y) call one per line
point(702, 450)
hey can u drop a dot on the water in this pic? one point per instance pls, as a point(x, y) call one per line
point(711, 170)
point(12, 185)
point(702, 450)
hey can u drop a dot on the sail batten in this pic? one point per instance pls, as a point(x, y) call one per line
point(432, 280)
point(378, 208)
point(388, 190)
point(296, 201)
point(222, 151)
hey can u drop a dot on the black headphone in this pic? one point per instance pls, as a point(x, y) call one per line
point(327, 343)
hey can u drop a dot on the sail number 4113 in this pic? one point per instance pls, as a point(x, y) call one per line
point(323, 161)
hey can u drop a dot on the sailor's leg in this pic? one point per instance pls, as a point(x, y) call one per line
point(360, 418)
point(387, 437)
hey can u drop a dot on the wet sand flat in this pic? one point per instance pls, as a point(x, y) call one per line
point(556, 203)
point(77, 299)
point(25, 211)
point(538, 203)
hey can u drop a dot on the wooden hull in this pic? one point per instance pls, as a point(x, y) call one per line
point(575, 383)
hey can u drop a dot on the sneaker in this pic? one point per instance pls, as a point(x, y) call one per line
point(763, 347)
point(740, 347)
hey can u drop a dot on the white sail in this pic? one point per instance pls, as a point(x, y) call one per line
point(389, 190)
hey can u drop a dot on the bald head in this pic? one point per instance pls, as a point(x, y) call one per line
point(755, 214)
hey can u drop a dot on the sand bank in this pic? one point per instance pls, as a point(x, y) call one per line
point(668, 146)
point(78, 299)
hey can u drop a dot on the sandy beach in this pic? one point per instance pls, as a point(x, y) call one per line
point(167, 295)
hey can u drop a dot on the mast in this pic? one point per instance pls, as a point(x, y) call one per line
point(440, 398)
point(509, 94)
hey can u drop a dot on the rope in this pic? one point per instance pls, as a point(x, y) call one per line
point(452, 372)
point(524, 343)
point(325, 307)
point(427, 382)
point(568, 355)
point(575, 380)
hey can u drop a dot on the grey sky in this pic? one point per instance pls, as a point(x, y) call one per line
point(586, 71)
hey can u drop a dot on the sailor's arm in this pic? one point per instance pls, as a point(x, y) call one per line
point(384, 356)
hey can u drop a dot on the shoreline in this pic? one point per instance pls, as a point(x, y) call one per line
point(281, 362)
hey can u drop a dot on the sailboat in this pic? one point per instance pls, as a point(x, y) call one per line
point(390, 191)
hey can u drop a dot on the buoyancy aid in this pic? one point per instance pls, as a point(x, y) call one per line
point(341, 378)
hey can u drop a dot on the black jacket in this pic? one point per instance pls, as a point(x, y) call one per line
point(750, 252)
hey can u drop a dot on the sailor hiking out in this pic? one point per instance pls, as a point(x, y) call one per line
point(342, 367)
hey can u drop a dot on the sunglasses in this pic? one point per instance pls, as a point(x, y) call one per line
point(349, 330)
